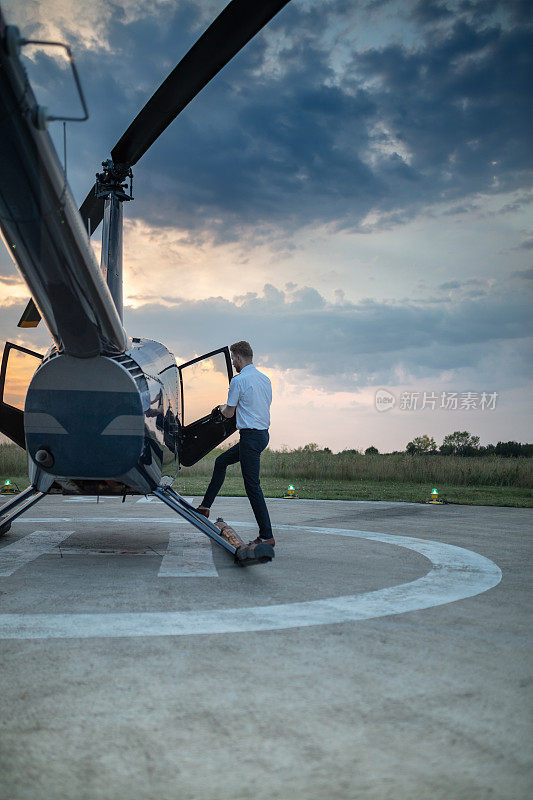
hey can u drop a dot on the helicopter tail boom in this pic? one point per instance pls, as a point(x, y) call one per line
point(41, 225)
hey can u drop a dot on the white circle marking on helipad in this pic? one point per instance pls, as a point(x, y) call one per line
point(456, 573)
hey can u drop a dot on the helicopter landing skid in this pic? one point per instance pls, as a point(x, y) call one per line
point(244, 555)
point(14, 508)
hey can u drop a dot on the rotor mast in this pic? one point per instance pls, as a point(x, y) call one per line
point(112, 186)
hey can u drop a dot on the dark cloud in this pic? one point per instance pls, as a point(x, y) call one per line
point(517, 204)
point(430, 11)
point(287, 137)
point(304, 146)
point(465, 208)
point(451, 106)
point(344, 345)
point(526, 274)
point(449, 285)
point(347, 344)
point(520, 11)
point(473, 287)
point(376, 5)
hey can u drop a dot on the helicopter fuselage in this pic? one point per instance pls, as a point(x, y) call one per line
point(103, 424)
point(104, 414)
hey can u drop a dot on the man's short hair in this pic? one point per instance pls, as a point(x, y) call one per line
point(242, 349)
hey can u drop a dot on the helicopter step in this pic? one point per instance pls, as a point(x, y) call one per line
point(14, 508)
point(245, 553)
point(221, 533)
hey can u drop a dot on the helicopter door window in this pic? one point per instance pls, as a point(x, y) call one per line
point(204, 384)
point(18, 368)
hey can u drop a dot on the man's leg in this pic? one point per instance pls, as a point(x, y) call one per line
point(252, 444)
point(222, 461)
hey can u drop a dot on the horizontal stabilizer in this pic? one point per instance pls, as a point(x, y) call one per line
point(30, 317)
point(12, 424)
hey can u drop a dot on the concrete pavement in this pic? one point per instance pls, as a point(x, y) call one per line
point(353, 666)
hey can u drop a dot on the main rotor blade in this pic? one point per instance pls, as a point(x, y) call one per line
point(229, 33)
point(231, 30)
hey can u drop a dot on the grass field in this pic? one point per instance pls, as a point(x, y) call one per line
point(316, 489)
point(298, 465)
point(492, 481)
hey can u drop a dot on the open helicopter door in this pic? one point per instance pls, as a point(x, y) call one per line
point(18, 367)
point(204, 384)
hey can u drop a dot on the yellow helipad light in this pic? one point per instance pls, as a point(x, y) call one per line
point(8, 488)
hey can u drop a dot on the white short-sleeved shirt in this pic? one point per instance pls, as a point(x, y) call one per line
point(251, 392)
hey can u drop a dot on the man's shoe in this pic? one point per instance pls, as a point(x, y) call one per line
point(259, 540)
point(203, 510)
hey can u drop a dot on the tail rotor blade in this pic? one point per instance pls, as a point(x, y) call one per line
point(231, 30)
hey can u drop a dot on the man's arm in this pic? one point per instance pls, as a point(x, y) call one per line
point(227, 411)
point(234, 394)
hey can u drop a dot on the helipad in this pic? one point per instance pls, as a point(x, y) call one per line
point(384, 652)
point(455, 573)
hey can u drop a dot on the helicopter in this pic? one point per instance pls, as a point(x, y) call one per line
point(103, 413)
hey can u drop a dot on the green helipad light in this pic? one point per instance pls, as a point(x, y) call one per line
point(290, 493)
point(7, 483)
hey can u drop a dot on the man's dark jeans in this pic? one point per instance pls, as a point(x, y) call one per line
point(248, 452)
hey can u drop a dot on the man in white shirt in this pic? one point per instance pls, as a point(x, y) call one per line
point(249, 397)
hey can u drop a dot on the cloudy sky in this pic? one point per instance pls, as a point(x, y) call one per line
point(352, 194)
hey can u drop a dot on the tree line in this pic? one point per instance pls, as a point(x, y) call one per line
point(458, 443)
point(463, 443)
